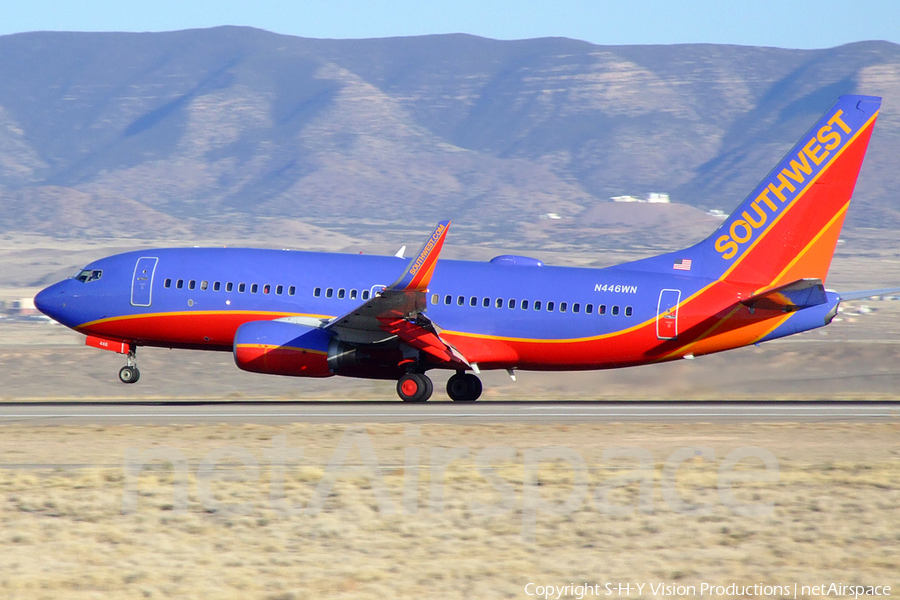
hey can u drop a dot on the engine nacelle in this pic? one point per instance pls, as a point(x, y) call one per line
point(280, 348)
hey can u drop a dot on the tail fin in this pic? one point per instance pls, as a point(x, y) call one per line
point(788, 227)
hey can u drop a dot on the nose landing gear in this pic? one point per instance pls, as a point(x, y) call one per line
point(130, 373)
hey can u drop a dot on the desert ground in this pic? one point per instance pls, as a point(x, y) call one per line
point(76, 523)
point(79, 522)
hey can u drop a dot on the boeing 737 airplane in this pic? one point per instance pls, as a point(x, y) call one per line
point(758, 277)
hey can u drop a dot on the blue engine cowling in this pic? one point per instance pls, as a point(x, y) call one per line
point(281, 348)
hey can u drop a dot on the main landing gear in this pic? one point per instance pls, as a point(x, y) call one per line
point(464, 387)
point(130, 373)
point(417, 387)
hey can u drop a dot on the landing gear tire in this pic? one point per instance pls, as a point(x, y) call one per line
point(464, 387)
point(129, 374)
point(414, 387)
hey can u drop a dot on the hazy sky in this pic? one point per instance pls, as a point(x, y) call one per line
point(782, 23)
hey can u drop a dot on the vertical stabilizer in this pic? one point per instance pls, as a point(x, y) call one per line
point(788, 227)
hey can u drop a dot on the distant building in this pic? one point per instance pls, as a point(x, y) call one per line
point(23, 308)
point(652, 198)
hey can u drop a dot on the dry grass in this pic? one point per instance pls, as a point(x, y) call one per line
point(836, 514)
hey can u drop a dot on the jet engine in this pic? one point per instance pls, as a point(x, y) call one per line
point(280, 348)
point(284, 348)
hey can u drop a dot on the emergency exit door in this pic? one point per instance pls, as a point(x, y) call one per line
point(142, 282)
point(667, 314)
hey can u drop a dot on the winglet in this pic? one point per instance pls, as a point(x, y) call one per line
point(418, 272)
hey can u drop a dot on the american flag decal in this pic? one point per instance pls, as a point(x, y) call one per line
point(683, 265)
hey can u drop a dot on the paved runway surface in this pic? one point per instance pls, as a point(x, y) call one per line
point(274, 412)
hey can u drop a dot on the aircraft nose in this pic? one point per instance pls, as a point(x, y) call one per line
point(52, 301)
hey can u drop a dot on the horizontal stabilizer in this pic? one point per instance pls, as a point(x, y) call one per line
point(802, 293)
point(867, 294)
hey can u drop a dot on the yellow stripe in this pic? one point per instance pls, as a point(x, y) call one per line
point(809, 246)
point(550, 341)
point(292, 348)
point(200, 312)
point(777, 325)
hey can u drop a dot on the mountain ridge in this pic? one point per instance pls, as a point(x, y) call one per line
point(146, 134)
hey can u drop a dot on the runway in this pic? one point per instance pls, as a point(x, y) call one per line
point(521, 412)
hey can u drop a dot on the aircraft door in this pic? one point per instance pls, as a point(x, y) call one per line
point(667, 314)
point(142, 282)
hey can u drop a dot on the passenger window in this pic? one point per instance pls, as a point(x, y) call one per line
point(601, 310)
point(576, 308)
point(242, 287)
point(365, 294)
point(341, 293)
point(485, 302)
point(524, 304)
point(537, 305)
point(473, 301)
point(589, 308)
point(192, 284)
point(499, 303)
point(267, 288)
point(563, 306)
point(179, 284)
point(448, 299)
point(512, 303)
point(628, 311)
point(292, 290)
point(279, 290)
point(204, 285)
point(460, 300)
point(254, 287)
point(229, 286)
point(550, 306)
point(329, 292)
point(615, 311)
point(217, 286)
point(317, 292)
point(435, 299)
point(353, 294)
point(167, 283)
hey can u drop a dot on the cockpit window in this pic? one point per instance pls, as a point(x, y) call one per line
point(87, 275)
